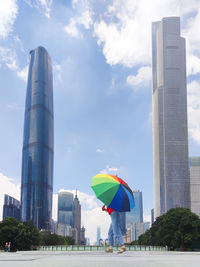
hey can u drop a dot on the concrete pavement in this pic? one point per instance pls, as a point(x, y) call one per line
point(100, 259)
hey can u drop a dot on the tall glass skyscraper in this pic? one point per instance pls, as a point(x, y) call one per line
point(169, 109)
point(65, 208)
point(37, 158)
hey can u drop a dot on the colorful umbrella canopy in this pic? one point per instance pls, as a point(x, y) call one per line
point(113, 192)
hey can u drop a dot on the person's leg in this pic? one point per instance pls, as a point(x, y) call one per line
point(116, 228)
point(117, 231)
point(110, 239)
point(111, 235)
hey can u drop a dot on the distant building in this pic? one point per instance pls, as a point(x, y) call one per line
point(194, 163)
point(65, 208)
point(98, 234)
point(11, 208)
point(169, 113)
point(77, 217)
point(136, 214)
point(53, 226)
point(63, 229)
point(83, 239)
point(69, 217)
point(135, 230)
point(74, 235)
point(128, 236)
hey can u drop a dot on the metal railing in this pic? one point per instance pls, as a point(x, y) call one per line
point(98, 248)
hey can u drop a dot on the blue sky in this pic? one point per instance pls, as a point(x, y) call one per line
point(101, 54)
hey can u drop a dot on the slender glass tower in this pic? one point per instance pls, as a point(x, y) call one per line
point(170, 132)
point(37, 157)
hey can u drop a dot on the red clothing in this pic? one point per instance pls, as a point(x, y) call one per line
point(109, 210)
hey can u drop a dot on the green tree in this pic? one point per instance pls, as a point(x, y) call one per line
point(21, 235)
point(49, 239)
point(179, 228)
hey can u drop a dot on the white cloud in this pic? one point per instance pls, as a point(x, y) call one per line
point(8, 13)
point(84, 18)
point(109, 169)
point(44, 6)
point(72, 29)
point(8, 58)
point(19, 43)
point(99, 150)
point(23, 73)
point(194, 110)
point(142, 78)
point(7, 186)
point(124, 30)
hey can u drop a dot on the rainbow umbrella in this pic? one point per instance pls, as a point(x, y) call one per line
point(113, 192)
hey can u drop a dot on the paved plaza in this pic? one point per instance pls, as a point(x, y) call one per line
point(100, 259)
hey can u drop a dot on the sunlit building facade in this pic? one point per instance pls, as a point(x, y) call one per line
point(169, 112)
point(194, 163)
point(37, 157)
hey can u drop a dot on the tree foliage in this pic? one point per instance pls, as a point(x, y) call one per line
point(24, 236)
point(48, 239)
point(21, 235)
point(178, 228)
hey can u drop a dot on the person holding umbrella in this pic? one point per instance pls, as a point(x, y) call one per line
point(114, 230)
point(117, 197)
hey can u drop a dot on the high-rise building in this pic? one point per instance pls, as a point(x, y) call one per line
point(98, 234)
point(170, 137)
point(195, 184)
point(136, 214)
point(77, 217)
point(37, 158)
point(11, 208)
point(65, 208)
point(83, 239)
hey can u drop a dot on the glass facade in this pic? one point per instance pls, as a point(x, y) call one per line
point(11, 207)
point(65, 208)
point(136, 214)
point(37, 156)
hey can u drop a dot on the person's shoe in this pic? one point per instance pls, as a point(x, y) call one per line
point(122, 249)
point(109, 250)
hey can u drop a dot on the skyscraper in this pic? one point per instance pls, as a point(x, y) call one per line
point(65, 208)
point(77, 217)
point(37, 157)
point(170, 138)
point(98, 235)
point(11, 208)
point(195, 184)
point(136, 214)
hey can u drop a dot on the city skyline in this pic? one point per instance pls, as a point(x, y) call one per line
point(102, 90)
